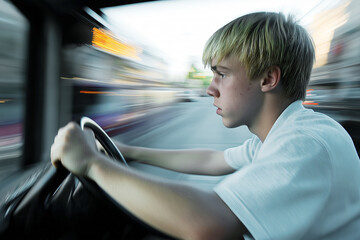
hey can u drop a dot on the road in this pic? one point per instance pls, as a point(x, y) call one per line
point(186, 125)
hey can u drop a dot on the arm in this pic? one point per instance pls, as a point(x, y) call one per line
point(193, 161)
point(174, 208)
point(177, 209)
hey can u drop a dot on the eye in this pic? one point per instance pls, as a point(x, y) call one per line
point(219, 74)
point(222, 75)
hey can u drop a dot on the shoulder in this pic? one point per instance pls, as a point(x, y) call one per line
point(306, 125)
point(311, 137)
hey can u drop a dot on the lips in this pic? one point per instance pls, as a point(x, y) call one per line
point(218, 110)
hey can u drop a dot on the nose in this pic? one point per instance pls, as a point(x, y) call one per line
point(212, 89)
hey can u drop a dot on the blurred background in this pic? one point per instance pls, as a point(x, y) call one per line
point(141, 77)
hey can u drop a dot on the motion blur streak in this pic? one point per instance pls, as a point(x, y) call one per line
point(309, 103)
point(105, 40)
point(13, 50)
point(335, 82)
point(121, 84)
point(95, 92)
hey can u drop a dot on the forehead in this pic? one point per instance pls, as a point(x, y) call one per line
point(227, 63)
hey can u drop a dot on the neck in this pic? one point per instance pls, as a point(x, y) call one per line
point(270, 111)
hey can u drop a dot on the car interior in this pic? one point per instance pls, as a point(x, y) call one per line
point(47, 46)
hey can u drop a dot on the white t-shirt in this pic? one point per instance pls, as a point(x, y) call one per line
point(302, 182)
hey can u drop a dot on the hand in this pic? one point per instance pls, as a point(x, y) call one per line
point(75, 149)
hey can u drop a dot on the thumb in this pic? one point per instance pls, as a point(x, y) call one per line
point(90, 136)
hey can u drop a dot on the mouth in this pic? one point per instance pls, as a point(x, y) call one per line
point(218, 110)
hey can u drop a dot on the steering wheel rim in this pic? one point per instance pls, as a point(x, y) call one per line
point(103, 138)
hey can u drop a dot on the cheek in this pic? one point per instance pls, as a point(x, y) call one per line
point(241, 91)
point(245, 98)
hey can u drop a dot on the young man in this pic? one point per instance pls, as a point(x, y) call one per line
point(297, 178)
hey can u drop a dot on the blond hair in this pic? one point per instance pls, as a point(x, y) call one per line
point(262, 40)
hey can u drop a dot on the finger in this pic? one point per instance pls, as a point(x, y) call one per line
point(89, 131)
point(90, 136)
point(72, 126)
point(55, 155)
point(61, 131)
point(57, 148)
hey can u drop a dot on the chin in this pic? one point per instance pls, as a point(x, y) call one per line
point(230, 124)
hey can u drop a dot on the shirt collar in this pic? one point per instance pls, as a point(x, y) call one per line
point(285, 115)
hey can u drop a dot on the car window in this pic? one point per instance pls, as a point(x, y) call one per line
point(13, 51)
point(114, 81)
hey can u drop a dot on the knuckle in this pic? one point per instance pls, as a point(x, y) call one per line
point(67, 136)
point(71, 128)
point(72, 125)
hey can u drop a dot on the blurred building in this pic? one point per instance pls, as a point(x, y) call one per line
point(335, 81)
point(110, 60)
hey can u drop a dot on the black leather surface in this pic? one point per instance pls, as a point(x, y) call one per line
point(42, 208)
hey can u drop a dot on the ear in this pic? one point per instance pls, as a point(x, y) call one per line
point(270, 79)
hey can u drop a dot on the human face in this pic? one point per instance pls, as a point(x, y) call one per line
point(237, 99)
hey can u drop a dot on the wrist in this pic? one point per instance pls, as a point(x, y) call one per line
point(95, 163)
point(130, 153)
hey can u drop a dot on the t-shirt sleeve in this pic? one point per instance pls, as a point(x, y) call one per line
point(242, 155)
point(280, 194)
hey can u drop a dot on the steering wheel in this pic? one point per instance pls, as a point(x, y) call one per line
point(56, 192)
point(48, 184)
point(57, 198)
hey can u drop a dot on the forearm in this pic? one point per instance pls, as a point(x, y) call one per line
point(193, 161)
point(179, 210)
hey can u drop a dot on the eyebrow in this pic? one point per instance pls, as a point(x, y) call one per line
point(216, 68)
